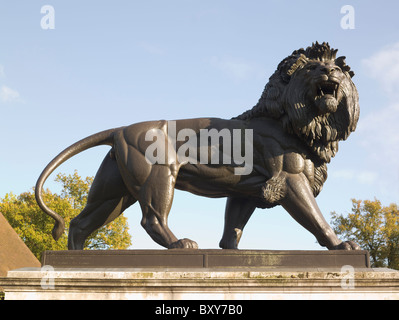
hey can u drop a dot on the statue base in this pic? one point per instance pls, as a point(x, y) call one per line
point(188, 258)
point(202, 275)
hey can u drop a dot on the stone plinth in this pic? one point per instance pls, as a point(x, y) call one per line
point(186, 258)
point(200, 284)
point(202, 275)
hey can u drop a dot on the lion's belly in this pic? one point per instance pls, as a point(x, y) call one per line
point(218, 181)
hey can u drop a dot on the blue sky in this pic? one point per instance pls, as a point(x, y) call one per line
point(112, 63)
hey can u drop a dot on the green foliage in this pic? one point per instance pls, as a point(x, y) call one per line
point(34, 227)
point(75, 189)
point(375, 228)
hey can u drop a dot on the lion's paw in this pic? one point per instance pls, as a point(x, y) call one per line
point(347, 245)
point(184, 244)
point(228, 244)
point(231, 239)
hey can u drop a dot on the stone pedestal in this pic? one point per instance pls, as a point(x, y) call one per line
point(211, 258)
point(203, 284)
point(202, 275)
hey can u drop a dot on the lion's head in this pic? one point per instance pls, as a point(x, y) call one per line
point(313, 95)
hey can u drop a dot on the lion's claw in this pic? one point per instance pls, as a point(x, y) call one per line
point(347, 245)
point(183, 244)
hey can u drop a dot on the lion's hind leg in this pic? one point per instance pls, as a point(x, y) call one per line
point(155, 198)
point(107, 199)
point(94, 216)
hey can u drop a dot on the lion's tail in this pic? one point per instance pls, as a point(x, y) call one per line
point(101, 138)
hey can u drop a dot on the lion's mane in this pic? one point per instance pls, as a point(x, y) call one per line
point(284, 98)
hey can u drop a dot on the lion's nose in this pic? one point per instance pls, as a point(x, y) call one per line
point(327, 69)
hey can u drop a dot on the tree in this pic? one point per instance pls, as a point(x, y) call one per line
point(34, 227)
point(375, 228)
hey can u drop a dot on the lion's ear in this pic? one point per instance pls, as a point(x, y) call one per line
point(298, 64)
point(289, 65)
point(341, 62)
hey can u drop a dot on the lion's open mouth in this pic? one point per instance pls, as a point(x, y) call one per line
point(329, 88)
point(327, 96)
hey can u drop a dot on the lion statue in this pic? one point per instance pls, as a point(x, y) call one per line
point(309, 104)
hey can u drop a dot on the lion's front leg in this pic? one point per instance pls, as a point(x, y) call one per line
point(301, 205)
point(238, 212)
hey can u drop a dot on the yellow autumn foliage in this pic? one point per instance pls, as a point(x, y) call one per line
point(34, 227)
point(374, 227)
